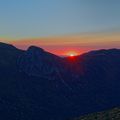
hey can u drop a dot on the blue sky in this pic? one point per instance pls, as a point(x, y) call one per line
point(36, 18)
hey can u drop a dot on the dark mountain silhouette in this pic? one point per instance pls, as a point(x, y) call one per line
point(35, 84)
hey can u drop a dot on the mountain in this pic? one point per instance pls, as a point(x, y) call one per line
point(35, 84)
point(113, 114)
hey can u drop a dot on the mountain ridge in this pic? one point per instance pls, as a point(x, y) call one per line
point(35, 84)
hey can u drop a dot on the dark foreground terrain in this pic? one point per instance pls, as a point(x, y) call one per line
point(37, 85)
point(113, 114)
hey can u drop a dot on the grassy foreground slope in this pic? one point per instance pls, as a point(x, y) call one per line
point(113, 114)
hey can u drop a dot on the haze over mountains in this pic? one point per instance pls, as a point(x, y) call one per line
point(35, 84)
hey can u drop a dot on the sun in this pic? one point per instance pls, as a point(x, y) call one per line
point(71, 54)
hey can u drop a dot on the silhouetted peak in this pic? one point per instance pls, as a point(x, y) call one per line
point(6, 46)
point(35, 48)
point(112, 51)
point(37, 51)
point(105, 50)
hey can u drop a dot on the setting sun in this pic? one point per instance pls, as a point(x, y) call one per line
point(71, 54)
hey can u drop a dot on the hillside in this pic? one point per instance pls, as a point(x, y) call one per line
point(35, 84)
point(113, 114)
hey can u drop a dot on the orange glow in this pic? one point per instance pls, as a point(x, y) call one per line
point(70, 44)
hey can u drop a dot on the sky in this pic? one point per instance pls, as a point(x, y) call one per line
point(60, 26)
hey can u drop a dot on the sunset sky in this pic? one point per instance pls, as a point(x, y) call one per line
point(61, 26)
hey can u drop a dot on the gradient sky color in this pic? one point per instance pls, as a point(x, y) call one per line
point(47, 23)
